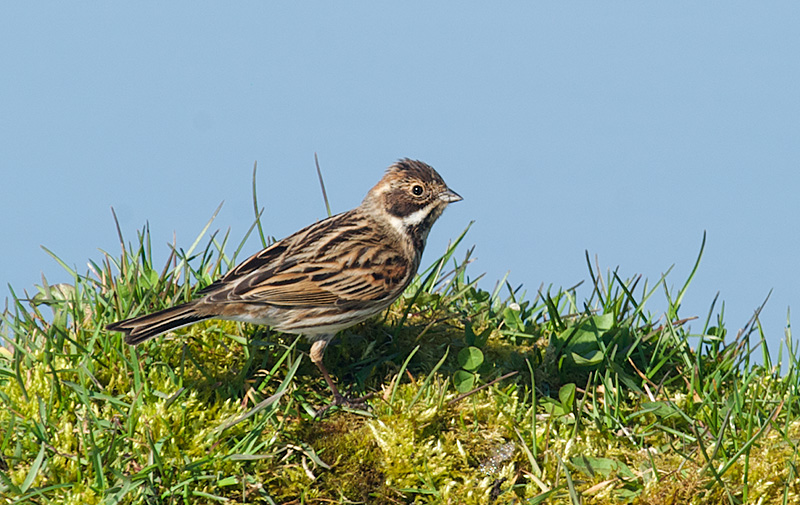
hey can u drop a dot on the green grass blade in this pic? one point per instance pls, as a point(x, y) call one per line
point(34, 470)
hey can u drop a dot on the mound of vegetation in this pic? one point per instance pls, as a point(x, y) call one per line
point(480, 397)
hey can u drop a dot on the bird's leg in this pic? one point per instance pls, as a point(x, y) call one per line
point(317, 351)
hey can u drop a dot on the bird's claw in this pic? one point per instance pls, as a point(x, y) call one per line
point(340, 400)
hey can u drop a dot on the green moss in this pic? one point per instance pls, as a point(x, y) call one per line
point(173, 420)
point(344, 443)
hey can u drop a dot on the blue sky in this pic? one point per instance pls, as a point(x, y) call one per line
point(625, 130)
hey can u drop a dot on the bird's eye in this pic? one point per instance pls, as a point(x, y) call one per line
point(417, 190)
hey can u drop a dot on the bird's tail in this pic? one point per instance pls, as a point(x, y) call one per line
point(139, 329)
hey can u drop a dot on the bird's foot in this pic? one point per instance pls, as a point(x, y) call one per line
point(339, 400)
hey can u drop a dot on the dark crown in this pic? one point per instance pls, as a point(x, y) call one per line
point(407, 168)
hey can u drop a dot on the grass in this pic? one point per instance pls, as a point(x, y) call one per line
point(482, 397)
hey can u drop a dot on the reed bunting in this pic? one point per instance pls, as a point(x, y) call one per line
point(328, 276)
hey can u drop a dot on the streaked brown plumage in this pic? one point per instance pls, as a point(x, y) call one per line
point(328, 276)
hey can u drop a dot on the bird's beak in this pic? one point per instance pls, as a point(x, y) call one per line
point(450, 196)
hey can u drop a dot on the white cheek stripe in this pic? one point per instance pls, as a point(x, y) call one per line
point(416, 217)
point(402, 223)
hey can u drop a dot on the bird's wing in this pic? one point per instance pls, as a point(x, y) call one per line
point(337, 261)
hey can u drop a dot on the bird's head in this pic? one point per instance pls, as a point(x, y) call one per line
point(410, 197)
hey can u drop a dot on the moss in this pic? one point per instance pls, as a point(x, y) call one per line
point(425, 452)
point(145, 425)
point(344, 443)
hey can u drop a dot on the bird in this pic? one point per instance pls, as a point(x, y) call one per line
point(326, 277)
